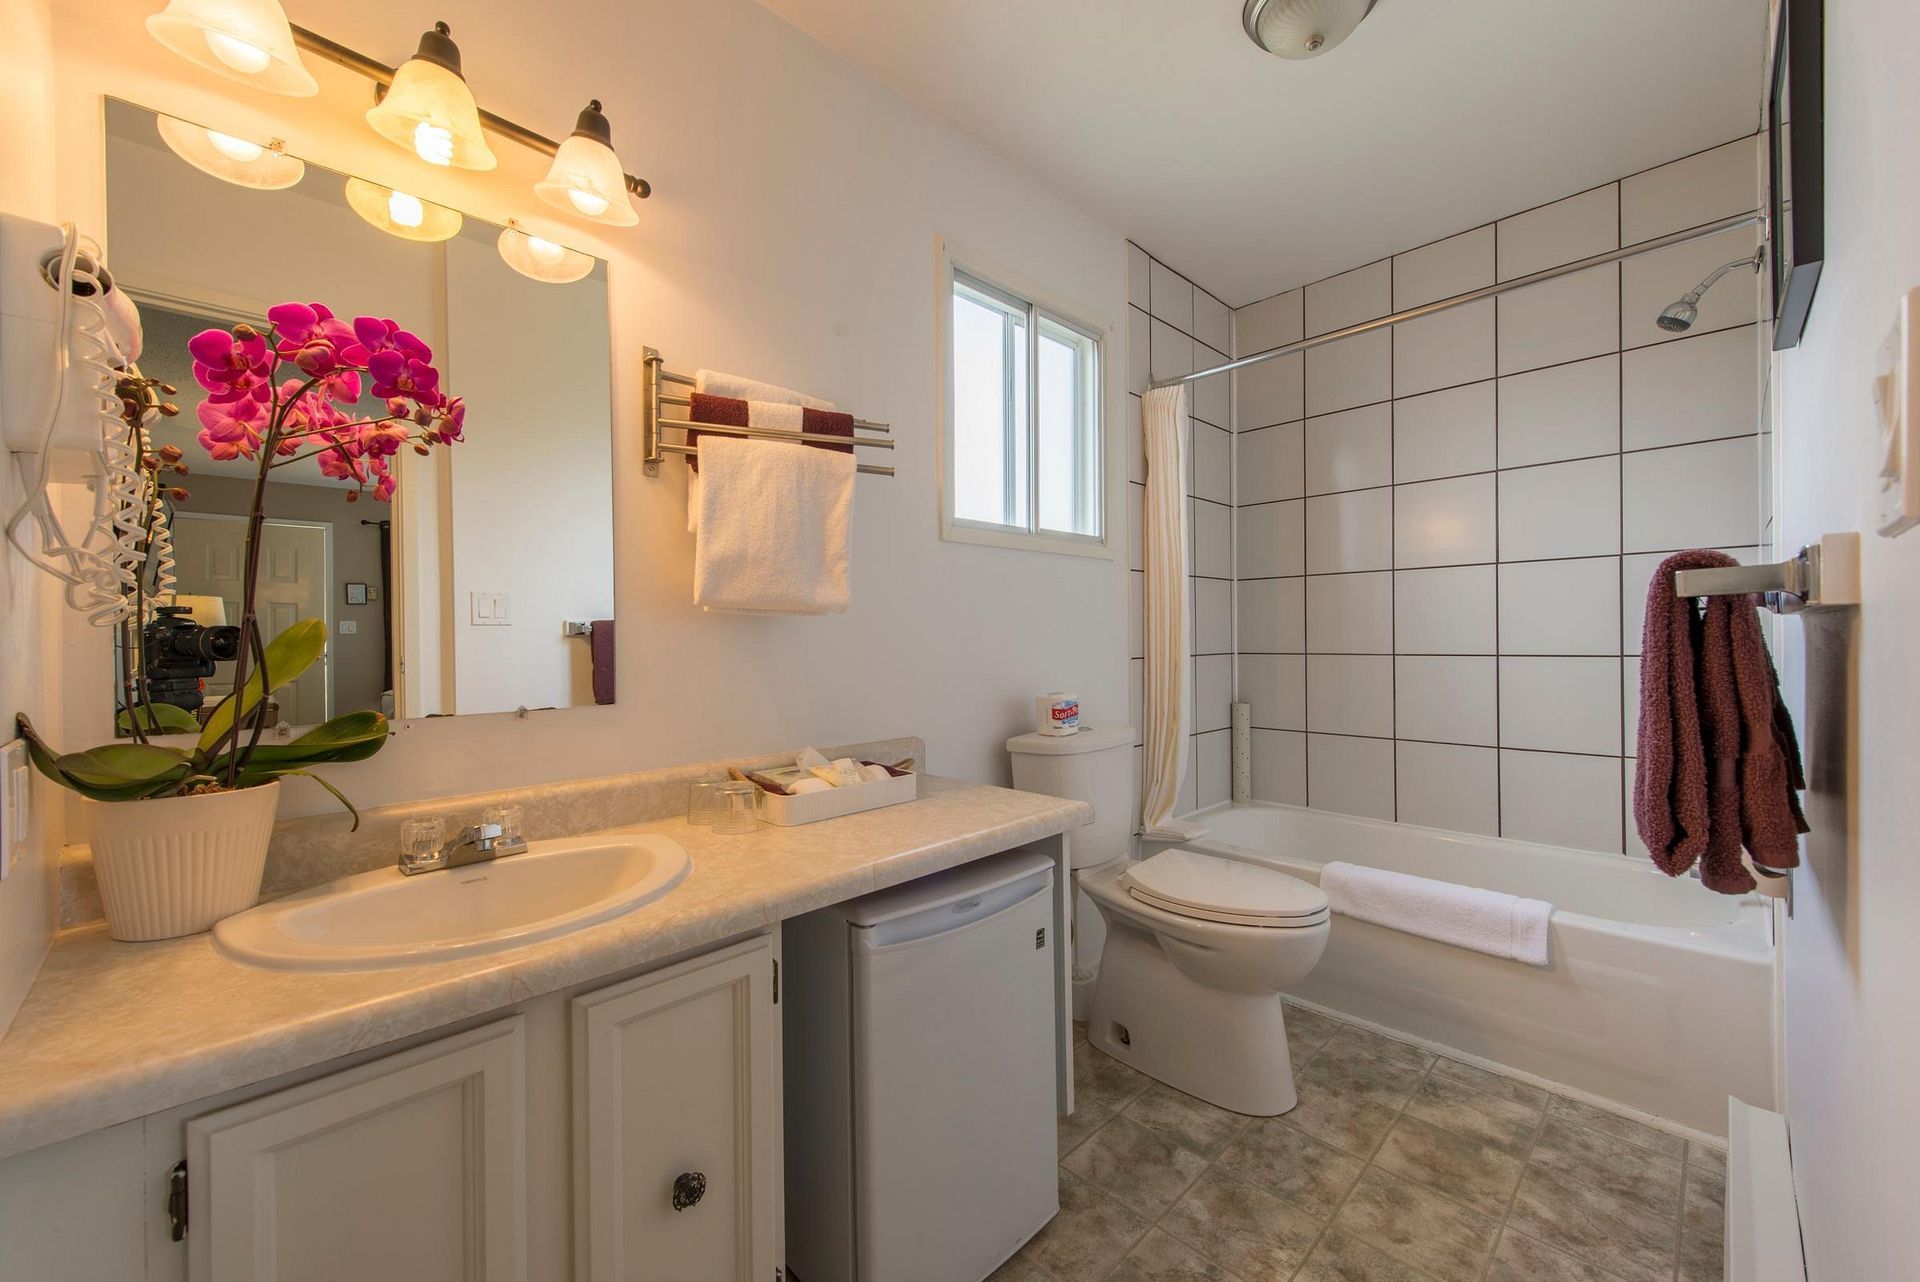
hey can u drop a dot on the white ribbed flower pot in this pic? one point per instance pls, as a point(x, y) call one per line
point(175, 865)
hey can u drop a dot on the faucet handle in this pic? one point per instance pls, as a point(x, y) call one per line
point(486, 832)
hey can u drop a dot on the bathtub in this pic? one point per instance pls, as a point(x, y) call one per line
point(1660, 992)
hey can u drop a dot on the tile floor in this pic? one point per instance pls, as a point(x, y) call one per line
point(1396, 1166)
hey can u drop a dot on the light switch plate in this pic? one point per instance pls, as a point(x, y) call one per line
point(1896, 396)
point(491, 609)
point(16, 791)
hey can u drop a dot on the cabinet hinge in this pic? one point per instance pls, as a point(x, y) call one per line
point(177, 1200)
point(776, 981)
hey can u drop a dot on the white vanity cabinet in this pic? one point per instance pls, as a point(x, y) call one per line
point(543, 1144)
point(676, 1100)
point(408, 1167)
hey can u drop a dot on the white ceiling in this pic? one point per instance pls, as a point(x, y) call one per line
point(1253, 174)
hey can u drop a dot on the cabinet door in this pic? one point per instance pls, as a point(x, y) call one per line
point(407, 1169)
point(676, 1089)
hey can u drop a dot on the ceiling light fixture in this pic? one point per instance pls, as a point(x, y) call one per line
point(540, 259)
point(429, 110)
point(230, 159)
point(245, 40)
point(400, 213)
point(586, 178)
point(1302, 28)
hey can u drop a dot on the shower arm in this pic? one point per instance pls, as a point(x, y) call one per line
point(1755, 218)
point(1753, 260)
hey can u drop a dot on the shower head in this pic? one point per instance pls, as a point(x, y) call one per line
point(1678, 316)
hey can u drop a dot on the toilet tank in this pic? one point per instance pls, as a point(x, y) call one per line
point(1094, 766)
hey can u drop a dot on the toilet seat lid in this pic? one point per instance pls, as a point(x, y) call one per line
point(1204, 885)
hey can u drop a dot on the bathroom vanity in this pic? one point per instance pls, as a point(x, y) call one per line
point(605, 1103)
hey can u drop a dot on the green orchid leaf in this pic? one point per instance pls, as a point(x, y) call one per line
point(352, 736)
point(115, 772)
point(159, 718)
point(296, 649)
point(253, 778)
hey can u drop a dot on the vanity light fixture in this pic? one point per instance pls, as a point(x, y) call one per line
point(540, 259)
point(245, 40)
point(400, 213)
point(586, 178)
point(429, 110)
point(230, 159)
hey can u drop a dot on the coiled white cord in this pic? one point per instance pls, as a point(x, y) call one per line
point(100, 570)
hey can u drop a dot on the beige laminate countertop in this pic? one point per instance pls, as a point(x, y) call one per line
point(115, 1031)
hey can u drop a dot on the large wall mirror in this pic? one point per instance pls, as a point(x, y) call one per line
point(473, 589)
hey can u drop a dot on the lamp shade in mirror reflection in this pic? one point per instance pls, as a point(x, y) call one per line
point(538, 258)
point(586, 178)
point(245, 164)
point(430, 111)
point(245, 40)
point(400, 213)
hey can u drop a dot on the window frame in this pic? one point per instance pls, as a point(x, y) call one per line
point(958, 267)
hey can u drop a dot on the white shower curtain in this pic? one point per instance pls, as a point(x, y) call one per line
point(1164, 412)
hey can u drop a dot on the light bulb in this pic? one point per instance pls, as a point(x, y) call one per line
point(545, 250)
point(405, 210)
point(248, 59)
point(235, 148)
point(587, 202)
point(433, 143)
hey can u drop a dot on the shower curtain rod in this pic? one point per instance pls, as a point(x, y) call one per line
point(1473, 296)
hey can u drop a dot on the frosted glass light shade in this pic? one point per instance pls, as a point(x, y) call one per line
point(1302, 28)
point(245, 40)
point(230, 159)
point(430, 111)
point(401, 214)
point(585, 178)
point(540, 259)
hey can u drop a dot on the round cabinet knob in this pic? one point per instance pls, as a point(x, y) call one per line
point(688, 1188)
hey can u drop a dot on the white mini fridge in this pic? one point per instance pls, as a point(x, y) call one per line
point(919, 1027)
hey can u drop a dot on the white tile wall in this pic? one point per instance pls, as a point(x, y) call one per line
point(1458, 518)
point(1562, 412)
point(1352, 450)
point(1350, 613)
point(1444, 785)
point(1448, 433)
point(1175, 327)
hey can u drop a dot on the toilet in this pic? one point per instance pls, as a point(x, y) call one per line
point(1198, 947)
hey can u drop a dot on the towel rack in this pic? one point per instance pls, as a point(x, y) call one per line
point(1820, 576)
point(575, 628)
point(657, 448)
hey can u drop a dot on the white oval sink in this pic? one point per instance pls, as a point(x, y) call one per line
point(384, 918)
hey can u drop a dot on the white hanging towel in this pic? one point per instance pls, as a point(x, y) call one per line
point(1485, 921)
point(766, 402)
point(1165, 712)
point(774, 527)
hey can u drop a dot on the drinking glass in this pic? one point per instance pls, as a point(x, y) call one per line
point(703, 802)
point(739, 807)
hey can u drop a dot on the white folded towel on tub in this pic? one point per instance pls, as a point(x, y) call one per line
point(1486, 921)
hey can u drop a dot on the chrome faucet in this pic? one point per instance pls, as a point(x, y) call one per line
point(472, 845)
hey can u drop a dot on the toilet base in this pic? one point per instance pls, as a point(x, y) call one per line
point(1226, 1048)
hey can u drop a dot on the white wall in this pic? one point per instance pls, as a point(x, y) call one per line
point(1446, 528)
point(1852, 948)
point(29, 655)
point(792, 237)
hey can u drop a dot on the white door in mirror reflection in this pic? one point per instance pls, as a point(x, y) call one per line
point(295, 558)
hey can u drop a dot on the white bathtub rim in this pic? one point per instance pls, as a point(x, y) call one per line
point(1749, 934)
point(1547, 1084)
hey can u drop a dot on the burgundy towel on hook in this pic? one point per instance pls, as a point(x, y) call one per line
point(600, 642)
point(1718, 763)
